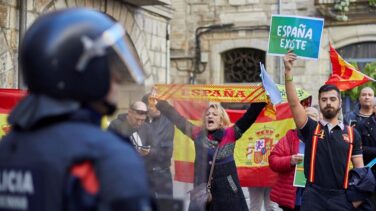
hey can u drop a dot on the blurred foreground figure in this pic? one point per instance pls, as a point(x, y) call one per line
point(56, 157)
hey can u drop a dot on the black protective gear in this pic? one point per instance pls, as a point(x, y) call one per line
point(70, 53)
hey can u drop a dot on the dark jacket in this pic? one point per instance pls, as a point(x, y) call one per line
point(161, 142)
point(367, 130)
point(362, 184)
point(50, 143)
point(353, 118)
point(158, 161)
point(121, 126)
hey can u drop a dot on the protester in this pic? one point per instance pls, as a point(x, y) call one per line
point(57, 157)
point(329, 146)
point(158, 161)
point(282, 160)
point(131, 126)
point(215, 131)
point(367, 130)
point(365, 107)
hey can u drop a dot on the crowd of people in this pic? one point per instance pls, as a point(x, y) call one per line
point(56, 157)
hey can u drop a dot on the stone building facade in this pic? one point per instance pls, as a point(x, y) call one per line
point(147, 23)
point(228, 27)
point(202, 41)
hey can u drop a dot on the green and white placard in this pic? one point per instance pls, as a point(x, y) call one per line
point(300, 34)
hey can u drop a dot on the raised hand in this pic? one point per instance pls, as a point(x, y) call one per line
point(152, 100)
point(288, 60)
point(295, 159)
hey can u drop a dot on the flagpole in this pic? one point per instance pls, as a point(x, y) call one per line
point(280, 58)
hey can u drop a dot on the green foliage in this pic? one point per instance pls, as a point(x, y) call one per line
point(342, 8)
point(372, 3)
point(370, 70)
point(342, 5)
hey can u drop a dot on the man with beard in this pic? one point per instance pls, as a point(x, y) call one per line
point(329, 147)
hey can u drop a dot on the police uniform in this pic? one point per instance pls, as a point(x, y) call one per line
point(327, 176)
point(56, 156)
point(37, 168)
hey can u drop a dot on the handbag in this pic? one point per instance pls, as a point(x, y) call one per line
point(201, 195)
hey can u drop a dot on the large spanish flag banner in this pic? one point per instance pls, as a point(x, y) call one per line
point(252, 149)
point(8, 99)
point(344, 75)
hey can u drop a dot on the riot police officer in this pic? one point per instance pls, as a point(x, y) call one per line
point(56, 157)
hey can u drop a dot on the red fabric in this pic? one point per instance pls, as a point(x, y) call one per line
point(9, 98)
point(344, 75)
point(184, 171)
point(283, 193)
point(248, 176)
point(85, 172)
point(256, 176)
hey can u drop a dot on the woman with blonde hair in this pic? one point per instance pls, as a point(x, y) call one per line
point(216, 132)
point(225, 119)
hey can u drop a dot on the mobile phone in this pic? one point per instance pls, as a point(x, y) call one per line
point(353, 123)
point(145, 147)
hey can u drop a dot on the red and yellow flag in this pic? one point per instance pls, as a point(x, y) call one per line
point(344, 75)
point(8, 99)
point(252, 149)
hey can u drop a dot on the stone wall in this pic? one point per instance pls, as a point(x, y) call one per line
point(246, 15)
point(8, 44)
point(145, 26)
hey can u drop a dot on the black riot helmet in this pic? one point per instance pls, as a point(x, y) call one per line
point(70, 54)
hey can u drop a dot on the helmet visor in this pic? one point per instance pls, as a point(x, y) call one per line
point(122, 56)
point(129, 64)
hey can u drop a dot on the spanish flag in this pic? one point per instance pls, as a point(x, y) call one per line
point(344, 75)
point(252, 149)
point(8, 99)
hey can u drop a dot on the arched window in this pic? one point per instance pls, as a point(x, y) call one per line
point(361, 53)
point(242, 65)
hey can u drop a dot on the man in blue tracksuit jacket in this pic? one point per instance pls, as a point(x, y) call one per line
point(56, 157)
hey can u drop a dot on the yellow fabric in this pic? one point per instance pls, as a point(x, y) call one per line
point(219, 93)
point(4, 126)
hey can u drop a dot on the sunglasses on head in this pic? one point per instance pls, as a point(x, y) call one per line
point(139, 111)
